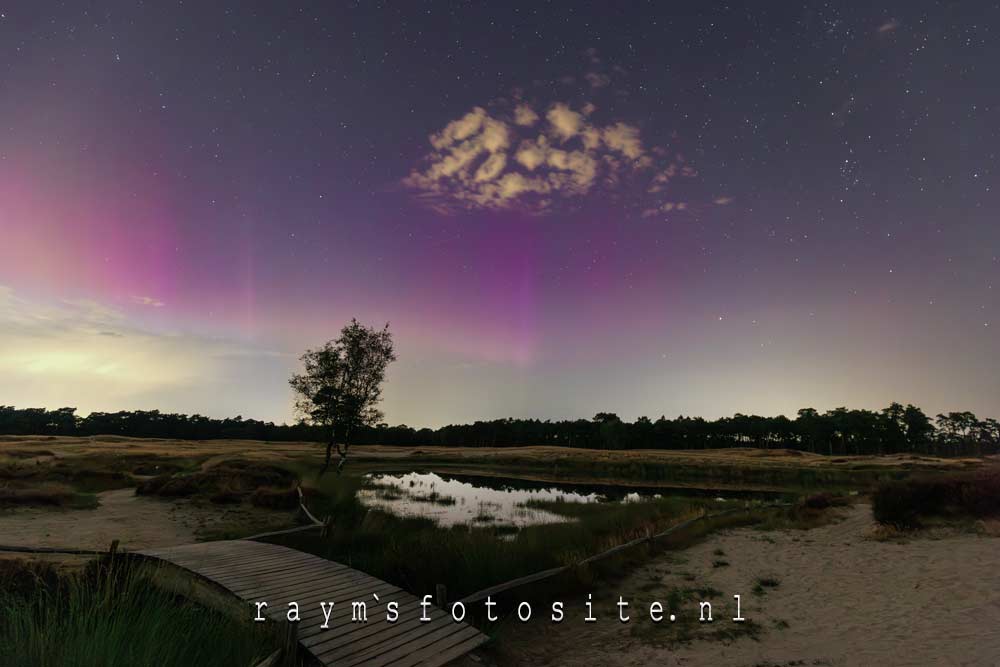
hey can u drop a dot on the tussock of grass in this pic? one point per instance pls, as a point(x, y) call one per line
point(117, 619)
point(763, 583)
point(434, 497)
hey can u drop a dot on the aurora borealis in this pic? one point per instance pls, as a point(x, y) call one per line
point(560, 208)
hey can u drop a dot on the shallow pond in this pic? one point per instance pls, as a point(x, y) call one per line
point(453, 500)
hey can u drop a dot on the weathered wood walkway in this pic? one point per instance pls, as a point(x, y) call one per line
point(257, 571)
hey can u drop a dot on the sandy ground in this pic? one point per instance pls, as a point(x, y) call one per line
point(847, 599)
point(137, 521)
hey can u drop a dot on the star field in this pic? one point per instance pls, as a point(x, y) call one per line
point(258, 173)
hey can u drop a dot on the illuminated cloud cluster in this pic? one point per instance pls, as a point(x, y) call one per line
point(528, 156)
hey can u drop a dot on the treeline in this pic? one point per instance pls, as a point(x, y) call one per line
point(839, 432)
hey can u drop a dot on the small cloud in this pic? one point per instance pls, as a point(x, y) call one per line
point(525, 115)
point(147, 301)
point(565, 122)
point(597, 80)
point(624, 139)
point(531, 154)
point(888, 26)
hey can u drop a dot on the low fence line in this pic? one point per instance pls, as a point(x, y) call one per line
point(546, 574)
point(313, 521)
point(53, 550)
point(302, 506)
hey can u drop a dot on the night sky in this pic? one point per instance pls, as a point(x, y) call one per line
point(561, 208)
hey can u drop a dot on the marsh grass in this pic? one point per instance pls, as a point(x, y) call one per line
point(435, 498)
point(415, 553)
point(116, 618)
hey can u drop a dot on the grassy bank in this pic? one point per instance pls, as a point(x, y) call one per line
point(119, 618)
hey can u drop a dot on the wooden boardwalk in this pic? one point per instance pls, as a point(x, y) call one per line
point(257, 571)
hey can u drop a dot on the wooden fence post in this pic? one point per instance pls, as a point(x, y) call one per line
point(290, 645)
point(441, 595)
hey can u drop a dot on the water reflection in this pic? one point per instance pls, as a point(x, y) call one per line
point(477, 501)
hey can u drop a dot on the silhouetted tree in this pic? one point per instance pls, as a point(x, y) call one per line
point(918, 427)
point(342, 384)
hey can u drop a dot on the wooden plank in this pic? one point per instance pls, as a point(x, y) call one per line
point(292, 581)
point(456, 651)
point(224, 558)
point(247, 564)
point(315, 593)
point(422, 645)
point(212, 562)
point(388, 637)
point(341, 623)
point(260, 581)
point(309, 603)
point(362, 637)
point(252, 563)
point(256, 555)
point(249, 573)
point(470, 637)
point(342, 612)
point(267, 585)
point(303, 583)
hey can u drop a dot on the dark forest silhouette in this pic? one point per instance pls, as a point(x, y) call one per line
point(839, 432)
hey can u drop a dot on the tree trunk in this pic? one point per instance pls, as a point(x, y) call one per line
point(341, 452)
point(330, 444)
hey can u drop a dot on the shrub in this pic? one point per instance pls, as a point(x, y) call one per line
point(902, 504)
point(819, 501)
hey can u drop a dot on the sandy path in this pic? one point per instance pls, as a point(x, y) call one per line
point(138, 522)
point(847, 600)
